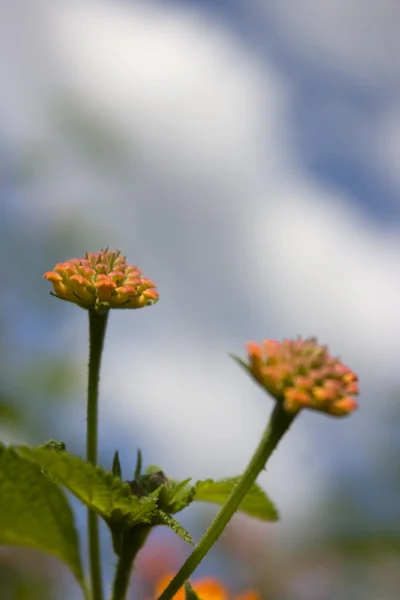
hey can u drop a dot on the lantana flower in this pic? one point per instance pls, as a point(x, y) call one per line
point(206, 588)
point(102, 281)
point(302, 374)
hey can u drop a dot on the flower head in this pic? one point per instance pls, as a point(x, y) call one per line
point(302, 374)
point(102, 281)
point(206, 588)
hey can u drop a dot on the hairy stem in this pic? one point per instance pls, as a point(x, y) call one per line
point(97, 329)
point(279, 423)
point(132, 543)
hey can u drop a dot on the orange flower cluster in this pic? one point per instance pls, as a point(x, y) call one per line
point(302, 374)
point(206, 589)
point(102, 281)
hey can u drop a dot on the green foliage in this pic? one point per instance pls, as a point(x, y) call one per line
point(53, 445)
point(177, 495)
point(174, 495)
point(98, 489)
point(116, 466)
point(255, 504)
point(138, 468)
point(104, 492)
point(34, 511)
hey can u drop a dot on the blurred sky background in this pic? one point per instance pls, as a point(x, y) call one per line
point(245, 155)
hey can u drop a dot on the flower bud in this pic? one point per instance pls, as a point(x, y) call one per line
point(102, 281)
point(302, 374)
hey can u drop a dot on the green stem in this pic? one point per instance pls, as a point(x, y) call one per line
point(97, 330)
point(279, 423)
point(132, 543)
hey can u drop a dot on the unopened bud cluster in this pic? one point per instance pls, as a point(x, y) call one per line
point(101, 281)
point(302, 374)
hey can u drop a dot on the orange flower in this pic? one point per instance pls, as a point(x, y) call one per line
point(102, 281)
point(206, 588)
point(302, 374)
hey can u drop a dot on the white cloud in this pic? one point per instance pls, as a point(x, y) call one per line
point(23, 72)
point(188, 95)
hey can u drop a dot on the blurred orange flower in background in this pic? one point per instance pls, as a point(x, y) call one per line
point(206, 588)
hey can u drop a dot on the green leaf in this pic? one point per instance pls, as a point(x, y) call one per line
point(98, 489)
point(116, 466)
point(34, 512)
point(255, 504)
point(162, 518)
point(174, 495)
point(138, 468)
point(152, 469)
point(177, 495)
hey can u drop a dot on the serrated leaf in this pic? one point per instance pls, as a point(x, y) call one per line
point(255, 504)
point(164, 519)
point(98, 489)
point(116, 466)
point(34, 512)
point(138, 468)
point(175, 495)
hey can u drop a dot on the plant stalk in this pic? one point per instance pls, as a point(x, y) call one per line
point(97, 330)
point(132, 543)
point(279, 423)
